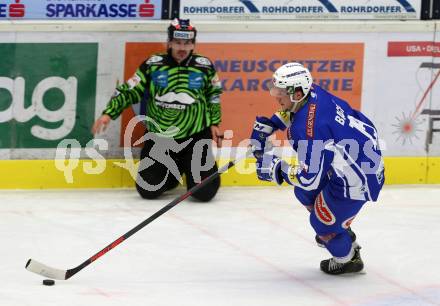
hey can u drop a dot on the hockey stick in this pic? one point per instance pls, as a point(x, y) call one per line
point(44, 270)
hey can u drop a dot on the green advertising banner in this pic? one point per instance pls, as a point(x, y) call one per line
point(47, 93)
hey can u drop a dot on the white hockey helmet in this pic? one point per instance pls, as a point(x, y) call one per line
point(290, 77)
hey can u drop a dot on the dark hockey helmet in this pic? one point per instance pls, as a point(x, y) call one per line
point(182, 29)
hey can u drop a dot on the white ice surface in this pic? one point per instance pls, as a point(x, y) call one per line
point(251, 246)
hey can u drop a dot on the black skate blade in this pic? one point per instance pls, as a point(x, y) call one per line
point(352, 274)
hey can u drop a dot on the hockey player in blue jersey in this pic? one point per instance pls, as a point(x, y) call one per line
point(339, 164)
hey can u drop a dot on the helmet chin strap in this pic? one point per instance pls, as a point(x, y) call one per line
point(297, 104)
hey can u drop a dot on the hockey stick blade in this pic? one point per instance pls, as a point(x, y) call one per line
point(43, 270)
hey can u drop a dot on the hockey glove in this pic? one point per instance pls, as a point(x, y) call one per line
point(263, 128)
point(270, 168)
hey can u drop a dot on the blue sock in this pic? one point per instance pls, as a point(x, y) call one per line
point(340, 245)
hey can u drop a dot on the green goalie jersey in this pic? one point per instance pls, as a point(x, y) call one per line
point(185, 95)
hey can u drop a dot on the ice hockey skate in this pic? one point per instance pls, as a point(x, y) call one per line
point(355, 265)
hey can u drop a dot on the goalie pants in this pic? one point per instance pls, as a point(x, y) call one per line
point(330, 217)
point(195, 160)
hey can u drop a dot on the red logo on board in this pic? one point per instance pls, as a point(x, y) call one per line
point(146, 9)
point(413, 48)
point(13, 10)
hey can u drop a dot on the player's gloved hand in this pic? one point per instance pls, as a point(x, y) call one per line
point(263, 128)
point(270, 168)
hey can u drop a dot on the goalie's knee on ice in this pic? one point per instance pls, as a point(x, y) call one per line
point(208, 192)
point(146, 194)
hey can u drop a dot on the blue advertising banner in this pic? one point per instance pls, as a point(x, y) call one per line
point(80, 9)
point(304, 9)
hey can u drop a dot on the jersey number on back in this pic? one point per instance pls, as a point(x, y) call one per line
point(365, 129)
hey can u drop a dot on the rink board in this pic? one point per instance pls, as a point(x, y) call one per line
point(60, 76)
point(42, 174)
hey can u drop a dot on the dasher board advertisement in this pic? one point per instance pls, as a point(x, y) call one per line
point(80, 9)
point(306, 9)
point(245, 71)
point(47, 93)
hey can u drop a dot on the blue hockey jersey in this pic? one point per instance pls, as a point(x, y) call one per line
point(335, 145)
